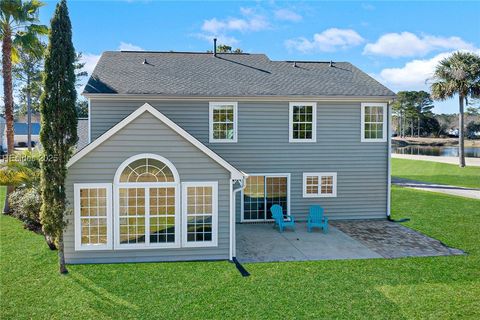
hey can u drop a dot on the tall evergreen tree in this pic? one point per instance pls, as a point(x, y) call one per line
point(59, 125)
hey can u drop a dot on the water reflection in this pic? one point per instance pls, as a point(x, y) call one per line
point(437, 151)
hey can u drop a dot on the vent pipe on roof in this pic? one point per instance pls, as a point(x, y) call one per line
point(294, 64)
point(331, 63)
point(214, 47)
point(145, 61)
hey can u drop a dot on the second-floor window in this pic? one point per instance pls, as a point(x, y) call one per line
point(303, 122)
point(374, 125)
point(223, 122)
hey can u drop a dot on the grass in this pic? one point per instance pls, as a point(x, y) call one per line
point(409, 288)
point(436, 172)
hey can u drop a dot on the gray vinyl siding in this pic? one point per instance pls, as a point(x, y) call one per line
point(147, 134)
point(263, 147)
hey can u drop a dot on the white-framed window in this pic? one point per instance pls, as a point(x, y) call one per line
point(147, 203)
point(200, 214)
point(317, 184)
point(302, 122)
point(374, 122)
point(261, 192)
point(223, 121)
point(93, 216)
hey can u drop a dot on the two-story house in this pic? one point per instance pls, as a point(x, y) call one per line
point(185, 145)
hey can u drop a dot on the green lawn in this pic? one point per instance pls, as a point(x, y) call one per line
point(410, 288)
point(436, 172)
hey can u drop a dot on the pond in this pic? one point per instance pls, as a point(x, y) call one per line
point(451, 151)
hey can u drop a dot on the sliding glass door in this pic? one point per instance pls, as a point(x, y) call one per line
point(261, 193)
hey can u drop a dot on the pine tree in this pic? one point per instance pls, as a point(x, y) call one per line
point(58, 133)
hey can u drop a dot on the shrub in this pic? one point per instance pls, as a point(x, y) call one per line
point(25, 204)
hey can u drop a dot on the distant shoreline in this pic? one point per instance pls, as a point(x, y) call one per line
point(432, 142)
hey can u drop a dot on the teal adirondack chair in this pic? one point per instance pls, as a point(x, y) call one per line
point(316, 218)
point(277, 214)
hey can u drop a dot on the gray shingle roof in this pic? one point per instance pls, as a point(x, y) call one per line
point(202, 74)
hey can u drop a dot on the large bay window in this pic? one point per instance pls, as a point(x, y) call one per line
point(146, 209)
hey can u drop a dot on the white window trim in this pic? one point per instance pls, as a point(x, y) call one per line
point(146, 185)
point(78, 227)
point(362, 127)
point(212, 106)
point(214, 241)
point(242, 194)
point(320, 175)
point(314, 122)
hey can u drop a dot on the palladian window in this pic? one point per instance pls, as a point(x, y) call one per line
point(147, 192)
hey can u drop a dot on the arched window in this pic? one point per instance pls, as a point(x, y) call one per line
point(147, 170)
point(147, 193)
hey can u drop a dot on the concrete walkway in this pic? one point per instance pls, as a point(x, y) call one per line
point(451, 190)
point(475, 162)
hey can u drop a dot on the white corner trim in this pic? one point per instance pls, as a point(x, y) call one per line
point(362, 127)
point(89, 128)
point(389, 161)
point(320, 175)
point(212, 106)
point(78, 227)
point(290, 122)
point(214, 241)
point(235, 173)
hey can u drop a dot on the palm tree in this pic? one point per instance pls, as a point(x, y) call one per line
point(18, 29)
point(457, 74)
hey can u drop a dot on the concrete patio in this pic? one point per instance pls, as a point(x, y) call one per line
point(345, 240)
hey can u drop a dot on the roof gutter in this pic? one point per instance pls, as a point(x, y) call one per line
point(326, 98)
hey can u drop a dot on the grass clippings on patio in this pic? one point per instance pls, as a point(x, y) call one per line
point(436, 172)
point(409, 288)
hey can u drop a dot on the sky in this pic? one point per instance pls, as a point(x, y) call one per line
point(398, 43)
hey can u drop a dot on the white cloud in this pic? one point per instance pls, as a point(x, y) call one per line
point(250, 22)
point(368, 6)
point(125, 46)
point(407, 44)
point(91, 59)
point(414, 75)
point(222, 39)
point(329, 40)
point(287, 15)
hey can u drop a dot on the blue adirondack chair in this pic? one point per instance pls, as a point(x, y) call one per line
point(277, 214)
point(317, 219)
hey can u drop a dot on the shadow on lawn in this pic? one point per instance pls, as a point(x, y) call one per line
point(102, 295)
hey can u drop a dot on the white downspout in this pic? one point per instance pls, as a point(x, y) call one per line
point(233, 197)
point(389, 164)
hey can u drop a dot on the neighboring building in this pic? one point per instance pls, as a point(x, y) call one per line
point(20, 130)
point(175, 136)
point(3, 140)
